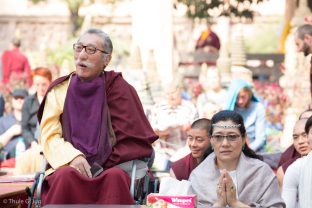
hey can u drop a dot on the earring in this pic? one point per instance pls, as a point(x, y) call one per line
point(212, 147)
point(243, 146)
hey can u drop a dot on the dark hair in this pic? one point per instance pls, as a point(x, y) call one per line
point(228, 115)
point(108, 45)
point(308, 110)
point(303, 30)
point(203, 123)
point(308, 125)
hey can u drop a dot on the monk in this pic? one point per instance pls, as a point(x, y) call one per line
point(299, 148)
point(91, 118)
point(198, 142)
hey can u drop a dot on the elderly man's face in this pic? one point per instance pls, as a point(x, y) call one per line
point(89, 66)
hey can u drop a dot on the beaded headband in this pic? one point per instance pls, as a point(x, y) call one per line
point(226, 126)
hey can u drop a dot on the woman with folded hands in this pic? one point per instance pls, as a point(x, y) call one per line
point(233, 175)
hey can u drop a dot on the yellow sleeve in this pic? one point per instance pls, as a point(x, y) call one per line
point(57, 151)
point(283, 37)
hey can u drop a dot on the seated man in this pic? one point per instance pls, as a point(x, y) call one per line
point(291, 154)
point(208, 41)
point(10, 127)
point(91, 117)
point(171, 119)
point(213, 98)
point(299, 148)
point(198, 142)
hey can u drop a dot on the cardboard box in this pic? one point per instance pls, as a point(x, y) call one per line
point(161, 201)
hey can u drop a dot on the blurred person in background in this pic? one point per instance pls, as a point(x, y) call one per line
point(303, 40)
point(15, 64)
point(2, 105)
point(242, 100)
point(10, 125)
point(172, 118)
point(213, 98)
point(31, 160)
point(208, 40)
point(41, 78)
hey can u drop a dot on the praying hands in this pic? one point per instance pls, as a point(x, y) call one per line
point(226, 192)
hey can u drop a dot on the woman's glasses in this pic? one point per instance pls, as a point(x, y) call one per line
point(230, 138)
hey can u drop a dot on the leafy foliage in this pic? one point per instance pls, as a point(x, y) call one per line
point(73, 7)
point(205, 9)
point(264, 43)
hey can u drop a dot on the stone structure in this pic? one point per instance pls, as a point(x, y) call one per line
point(224, 60)
point(35, 33)
point(238, 58)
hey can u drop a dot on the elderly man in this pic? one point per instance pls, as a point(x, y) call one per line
point(91, 117)
point(171, 118)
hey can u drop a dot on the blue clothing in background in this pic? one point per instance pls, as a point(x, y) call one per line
point(255, 124)
point(233, 90)
point(8, 150)
point(2, 103)
point(254, 115)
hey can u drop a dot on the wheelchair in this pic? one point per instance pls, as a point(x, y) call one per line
point(138, 170)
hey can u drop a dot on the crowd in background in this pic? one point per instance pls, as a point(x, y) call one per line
point(254, 110)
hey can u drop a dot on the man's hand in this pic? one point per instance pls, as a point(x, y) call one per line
point(81, 164)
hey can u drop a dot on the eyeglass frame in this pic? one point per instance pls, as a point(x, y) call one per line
point(227, 137)
point(86, 50)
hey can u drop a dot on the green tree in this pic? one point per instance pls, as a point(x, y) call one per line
point(73, 7)
point(205, 9)
point(76, 20)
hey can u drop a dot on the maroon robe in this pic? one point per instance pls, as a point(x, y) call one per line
point(288, 157)
point(211, 40)
point(182, 168)
point(134, 137)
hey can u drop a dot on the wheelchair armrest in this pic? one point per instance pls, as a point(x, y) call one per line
point(37, 186)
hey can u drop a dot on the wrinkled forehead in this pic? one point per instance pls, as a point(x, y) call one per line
point(91, 39)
